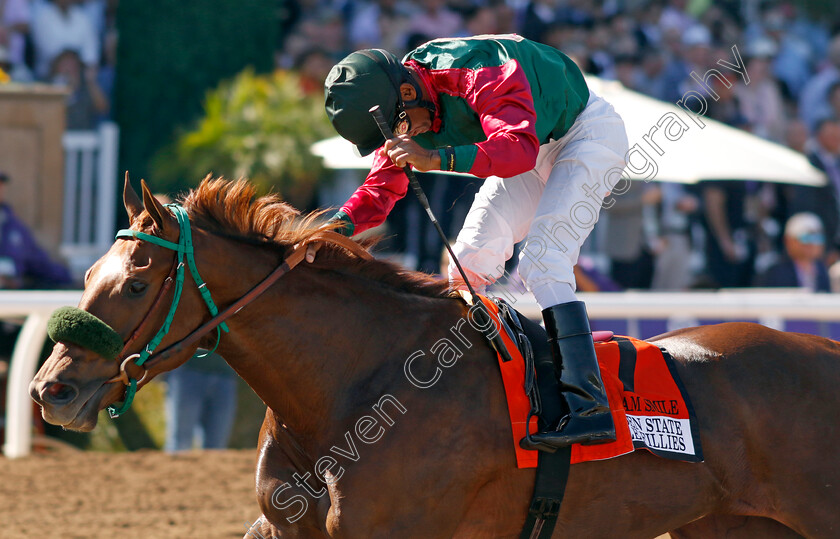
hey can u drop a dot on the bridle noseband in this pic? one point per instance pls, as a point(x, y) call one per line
point(140, 363)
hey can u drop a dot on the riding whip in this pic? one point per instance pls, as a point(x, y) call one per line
point(496, 340)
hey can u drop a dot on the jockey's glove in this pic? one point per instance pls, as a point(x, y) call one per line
point(346, 225)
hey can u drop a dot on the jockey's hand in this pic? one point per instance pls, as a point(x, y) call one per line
point(404, 151)
point(311, 250)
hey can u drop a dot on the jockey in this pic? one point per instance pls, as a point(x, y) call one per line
point(519, 114)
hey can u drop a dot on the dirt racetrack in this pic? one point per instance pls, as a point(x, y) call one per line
point(147, 494)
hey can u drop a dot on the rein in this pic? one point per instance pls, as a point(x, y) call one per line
point(144, 363)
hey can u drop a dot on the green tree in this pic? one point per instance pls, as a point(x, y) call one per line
point(170, 53)
point(258, 127)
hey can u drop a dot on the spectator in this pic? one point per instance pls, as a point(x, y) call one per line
point(200, 399)
point(802, 264)
point(537, 18)
point(796, 138)
point(649, 32)
point(505, 16)
point(693, 54)
point(60, 25)
point(727, 108)
point(721, 25)
point(672, 269)
point(626, 40)
point(323, 28)
point(23, 263)
point(96, 14)
point(107, 72)
point(436, 20)
point(796, 135)
point(730, 227)
point(589, 279)
point(675, 17)
point(580, 13)
point(834, 99)
point(823, 201)
point(650, 78)
point(15, 17)
point(598, 41)
point(481, 21)
point(627, 72)
point(793, 63)
point(761, 100)
point(85, 101)
point(834, 277)
point(381, 24)
point(813, 102)
point(5, 66)
point(313, 66)
point(627, 241)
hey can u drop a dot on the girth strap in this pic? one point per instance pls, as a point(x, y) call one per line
point(552, 474)
point(549, 406)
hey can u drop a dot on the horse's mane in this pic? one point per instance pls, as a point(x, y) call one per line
point(233, 209)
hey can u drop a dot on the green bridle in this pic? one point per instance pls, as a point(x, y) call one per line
point(79, 327)
point(183, 248)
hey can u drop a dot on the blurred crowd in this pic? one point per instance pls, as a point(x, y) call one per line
point(71, 43)
point(660, 235)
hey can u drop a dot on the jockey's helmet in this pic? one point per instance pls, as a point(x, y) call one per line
point(361, 80)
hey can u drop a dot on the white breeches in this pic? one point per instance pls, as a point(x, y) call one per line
point(554, 207)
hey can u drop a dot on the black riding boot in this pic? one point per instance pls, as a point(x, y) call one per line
point(589, 420)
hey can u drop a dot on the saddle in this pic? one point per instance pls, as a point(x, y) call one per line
point(650, 407)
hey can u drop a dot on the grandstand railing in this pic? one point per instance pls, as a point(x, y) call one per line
point(90, 195)
point(638, 314)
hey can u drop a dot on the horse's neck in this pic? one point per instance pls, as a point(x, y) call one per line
point(311, 346)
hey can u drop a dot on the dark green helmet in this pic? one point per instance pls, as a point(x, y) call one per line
point(361, 80)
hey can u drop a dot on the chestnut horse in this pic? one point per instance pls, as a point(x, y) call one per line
point(370, 433)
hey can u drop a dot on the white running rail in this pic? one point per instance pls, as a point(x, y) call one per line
point(35, 306)
point(771, 308)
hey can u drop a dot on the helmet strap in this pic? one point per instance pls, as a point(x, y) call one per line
point(419, 101)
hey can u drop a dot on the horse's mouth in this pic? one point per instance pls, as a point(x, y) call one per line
point(86, 415)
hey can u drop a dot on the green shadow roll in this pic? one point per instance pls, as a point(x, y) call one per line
point(73, 325)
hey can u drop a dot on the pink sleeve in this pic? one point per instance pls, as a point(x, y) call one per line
point(373, 200)
point(502, 97)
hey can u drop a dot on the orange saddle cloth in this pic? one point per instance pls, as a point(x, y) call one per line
point(650, 407)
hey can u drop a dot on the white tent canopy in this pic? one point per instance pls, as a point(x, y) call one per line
point(667, 143)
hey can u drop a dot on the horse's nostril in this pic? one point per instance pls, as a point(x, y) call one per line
point(59, 393)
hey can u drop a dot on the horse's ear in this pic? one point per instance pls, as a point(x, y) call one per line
point(159, 214)
point(132, 202)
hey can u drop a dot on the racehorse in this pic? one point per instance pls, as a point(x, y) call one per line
point(353, 446)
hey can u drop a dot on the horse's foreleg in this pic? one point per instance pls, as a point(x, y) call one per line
point(263, 529)
point(734, 527)
point(288, 511)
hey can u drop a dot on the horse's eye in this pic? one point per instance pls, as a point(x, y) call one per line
point(136, 288)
